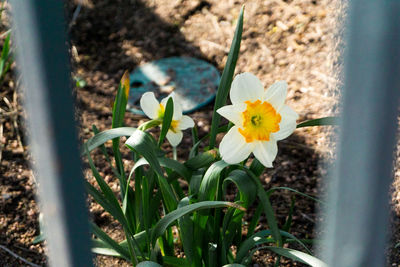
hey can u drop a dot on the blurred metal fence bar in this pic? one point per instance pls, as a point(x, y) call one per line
point(359, 195)
point(39, 32)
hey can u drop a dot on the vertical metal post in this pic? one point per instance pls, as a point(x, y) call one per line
point(358, 202)
point(39, 32)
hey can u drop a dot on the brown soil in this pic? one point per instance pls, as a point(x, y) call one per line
point(282, 40)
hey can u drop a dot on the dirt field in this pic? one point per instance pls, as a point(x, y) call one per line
point(288, 40)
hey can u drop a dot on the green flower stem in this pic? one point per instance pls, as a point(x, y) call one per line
point(174, 153)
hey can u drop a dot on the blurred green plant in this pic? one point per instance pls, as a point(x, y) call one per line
point(6, 58)
point(79, 82)
point(160, 218)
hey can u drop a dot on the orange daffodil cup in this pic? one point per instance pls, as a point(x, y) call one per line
point(155, 110)
point(260, 118)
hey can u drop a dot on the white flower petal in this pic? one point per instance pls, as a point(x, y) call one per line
point(174, 138)
point(276, 94)
point(177, 106)
point(150, 105)
point(233, 113)
point(287, 124)
point(246, 86)
point(288, 112)
point(233, 147)
point(265, 152)
point(185, 122)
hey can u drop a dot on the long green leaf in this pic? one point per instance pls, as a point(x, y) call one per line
point(174, 165)
point(103, 201)
point(319, 122)
point(202, 160)
point(298, 256)
point(208, 186)
point(226, 78)
point(195, 182)
point(148, 264)
point(264, 200)
point(128, 204)
point(140, 239)
point(232, 225)
point(114, 206)
point(108, 193)
point(186, 232)
point(195, 139)
point(5, 56)
point(118, 114)
point(254, 220)
point(168, 219)
point(207, 191)
point(100, 247)
point(169, 111)
point(256, 167)
point(109, 241)
point(175, 262)
point(288, 222)
point(120, 101)
point(260, 238)
point(273, 189)
point(245, 185)
point(141, 143)
point(105, 136)
point(104, 150)
point(249, 243)
point(146, 210)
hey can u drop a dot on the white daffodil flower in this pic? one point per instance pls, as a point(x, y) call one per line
point(155, 110)
point(260, 119)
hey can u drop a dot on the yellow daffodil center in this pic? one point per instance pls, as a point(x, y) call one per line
point(260, 119)
point(174, 126)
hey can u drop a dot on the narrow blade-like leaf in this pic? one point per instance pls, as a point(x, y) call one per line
point(109, 241)
point(169, 111)
point(141, 143)
point(298, 256)
point(226, 78)
point(264, 200)
point(273, 189)
point(168, 219)
point(148, 264)
point(104, 136)
point(208, 186)
point(186, 231)
point(319, 122)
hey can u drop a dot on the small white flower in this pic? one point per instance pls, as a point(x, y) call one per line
point(261, 119)
point(155, 110)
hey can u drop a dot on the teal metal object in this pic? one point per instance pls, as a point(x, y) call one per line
point(42, 57)
point(194, 82)
point(358, 201)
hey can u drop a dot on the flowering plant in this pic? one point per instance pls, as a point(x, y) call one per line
point(159, 217)
point(260, 120)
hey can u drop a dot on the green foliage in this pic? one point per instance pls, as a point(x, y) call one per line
point(152, 204)
point(6, 58)
point(169, 111)
point(79, 82)
point(319, 122)
point(227, 77)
